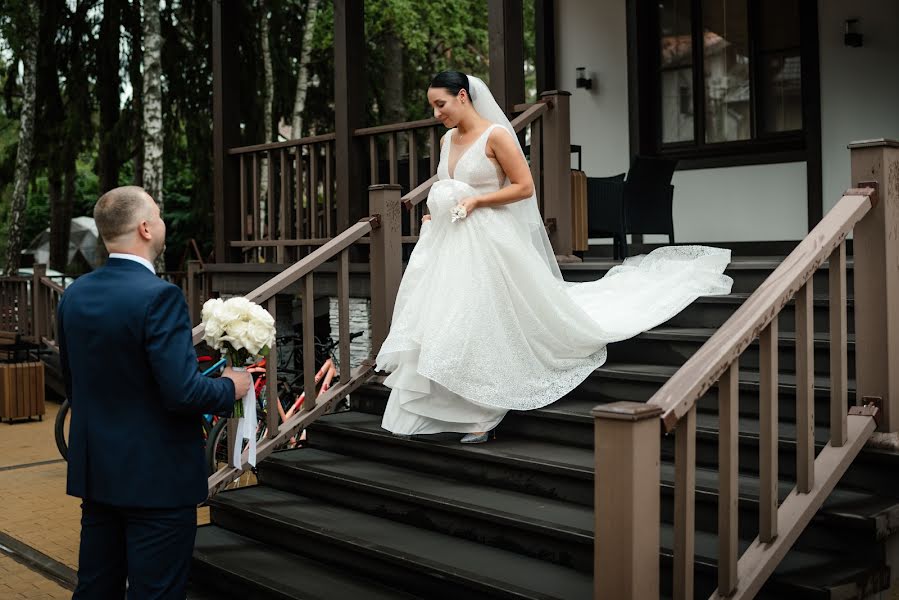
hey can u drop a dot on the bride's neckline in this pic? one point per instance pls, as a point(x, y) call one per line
point(467, 147)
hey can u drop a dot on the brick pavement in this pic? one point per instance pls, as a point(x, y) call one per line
point(18, 581)
point(35, 509)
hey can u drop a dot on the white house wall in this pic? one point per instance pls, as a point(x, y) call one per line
point(752, 203)
point(859, 86)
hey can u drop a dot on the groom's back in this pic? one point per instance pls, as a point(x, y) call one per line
point(125, 448)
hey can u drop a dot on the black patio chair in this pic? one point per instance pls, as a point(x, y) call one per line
point(649, 196)
point(605, 211)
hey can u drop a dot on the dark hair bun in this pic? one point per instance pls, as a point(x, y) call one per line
point(452, 81)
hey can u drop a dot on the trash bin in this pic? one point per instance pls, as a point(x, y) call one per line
point(21, 390)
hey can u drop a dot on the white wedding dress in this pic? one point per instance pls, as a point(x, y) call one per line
point(481, 324)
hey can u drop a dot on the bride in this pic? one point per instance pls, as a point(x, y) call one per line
point(484, 322)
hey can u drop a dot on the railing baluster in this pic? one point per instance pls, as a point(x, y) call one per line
point(537, 160)
point(768, 438)
point(343, 313)
point(243, 198)
point(373, 159)
point(301, 210)
point(257, 226)
point(329, 193)
point(684, 504)
point(270, 202)
point(414, 219)
point(434, 144)
point(839, 371)
point(805, 389)
point(309, 368)
point(391, 158)
point(283, 228)
point(271, 376)
point(313, 188)
point(728, 466)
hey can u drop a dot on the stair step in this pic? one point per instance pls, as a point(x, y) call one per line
point(227, 564)
point(632, 382)
point(424, 562)
point(713, 311)
point(543, 468)
point(674, 345)
point(565, 473)
point(561, 532)
point(372, 546)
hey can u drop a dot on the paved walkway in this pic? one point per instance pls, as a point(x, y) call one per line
point(39, 524)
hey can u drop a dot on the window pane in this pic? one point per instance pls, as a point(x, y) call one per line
point(780, 97)
point(781, 94)
point(726, 70)
point(779, 24)
point(677, 70)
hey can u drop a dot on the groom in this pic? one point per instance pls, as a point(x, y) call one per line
point(135, 445)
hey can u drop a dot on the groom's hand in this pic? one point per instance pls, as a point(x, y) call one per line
point(241, 379)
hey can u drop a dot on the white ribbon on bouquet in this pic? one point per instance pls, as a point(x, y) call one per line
point(246, 427)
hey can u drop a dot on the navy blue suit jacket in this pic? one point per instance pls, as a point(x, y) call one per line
point(130, 370)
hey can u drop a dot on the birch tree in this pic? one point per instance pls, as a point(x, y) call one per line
point(268, 95)
point(152, 100)
point(299, 103)
point(25, 152)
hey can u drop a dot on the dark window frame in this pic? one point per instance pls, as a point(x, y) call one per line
point(762, 148)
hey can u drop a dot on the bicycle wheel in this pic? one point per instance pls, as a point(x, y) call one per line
point(61, 429)
point(217, 451)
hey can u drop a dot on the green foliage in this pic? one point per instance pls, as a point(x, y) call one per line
point(451, 36)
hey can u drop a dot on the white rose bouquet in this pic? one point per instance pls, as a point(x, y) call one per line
point(242, 330)
point(458, 213)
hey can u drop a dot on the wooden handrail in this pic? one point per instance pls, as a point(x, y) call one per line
point(680, 393)
point(531, 114)
point(295, 272)
point(395, 127)
point(47, 282)
point(315, 139)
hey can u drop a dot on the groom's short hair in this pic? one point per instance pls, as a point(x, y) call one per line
point(119, 210)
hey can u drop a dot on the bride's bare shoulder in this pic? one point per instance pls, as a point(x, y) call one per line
point(500, 139)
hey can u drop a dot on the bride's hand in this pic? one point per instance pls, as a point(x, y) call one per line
point(470, 204)
point(425, 219)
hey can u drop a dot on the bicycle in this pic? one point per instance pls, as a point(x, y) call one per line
point(291, 395)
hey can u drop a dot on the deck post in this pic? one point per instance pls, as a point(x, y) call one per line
point(557, 172)
point(386, 259)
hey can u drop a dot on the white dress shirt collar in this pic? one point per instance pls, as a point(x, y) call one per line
point(135, 258)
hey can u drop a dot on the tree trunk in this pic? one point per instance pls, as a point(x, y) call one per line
point(61, 207)
point(136, 78)
point(299, 102)
point(152, 121)
point(58, 252)
point(268, 97)
point(26, 142)
point(108, 83)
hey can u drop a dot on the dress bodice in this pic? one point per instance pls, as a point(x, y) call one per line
point(470, 164)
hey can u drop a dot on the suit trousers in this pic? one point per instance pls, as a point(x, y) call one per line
point(151, 548)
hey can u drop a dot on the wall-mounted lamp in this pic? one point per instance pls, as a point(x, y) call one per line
point(582, 81)
point(852, 37)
